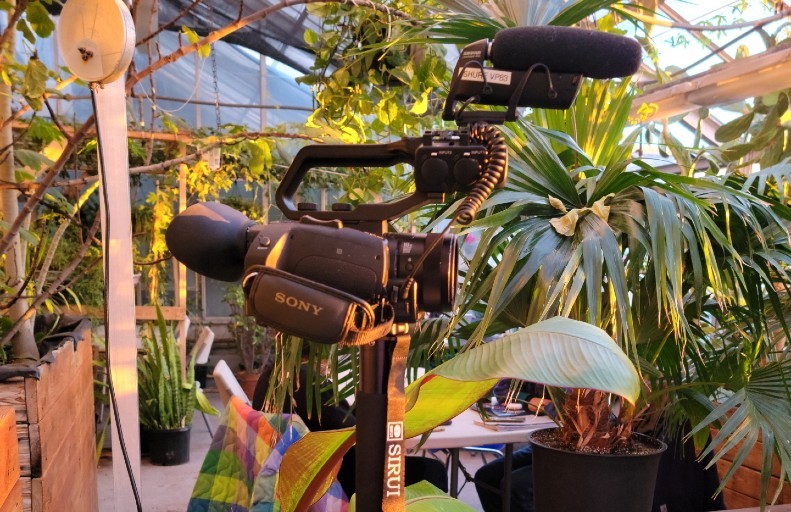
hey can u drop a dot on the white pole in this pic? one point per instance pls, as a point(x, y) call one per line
point(111, 122)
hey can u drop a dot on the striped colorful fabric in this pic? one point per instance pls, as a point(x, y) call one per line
point(240, 471)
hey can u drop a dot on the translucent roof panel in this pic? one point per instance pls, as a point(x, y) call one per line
point(278, 35)
point(186, 89)
point(236, 84)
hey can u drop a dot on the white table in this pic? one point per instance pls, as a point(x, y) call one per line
point(463, 431)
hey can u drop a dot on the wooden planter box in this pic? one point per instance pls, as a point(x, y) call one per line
point(10, 484)
point(55, 430)
point(744, 488)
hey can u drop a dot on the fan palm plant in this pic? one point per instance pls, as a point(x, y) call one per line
point(687, 273)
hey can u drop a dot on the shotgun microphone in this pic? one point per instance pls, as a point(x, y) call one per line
point(566, 50)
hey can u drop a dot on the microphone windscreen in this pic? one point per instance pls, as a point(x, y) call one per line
point(210, 239)
point(566, 50)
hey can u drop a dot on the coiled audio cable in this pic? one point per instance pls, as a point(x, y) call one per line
point(496, 165)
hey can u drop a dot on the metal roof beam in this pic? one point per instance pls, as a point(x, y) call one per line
point(724, 84)
point(700, 36)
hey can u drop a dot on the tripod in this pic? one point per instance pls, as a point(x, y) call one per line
point(380, 456)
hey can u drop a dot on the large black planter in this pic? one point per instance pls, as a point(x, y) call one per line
point(169, 447)
point(566, 481)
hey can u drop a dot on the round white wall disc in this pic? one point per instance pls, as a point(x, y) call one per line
point(96, 38)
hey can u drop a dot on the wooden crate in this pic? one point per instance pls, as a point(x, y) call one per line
point(56, 431)
point(744, 488)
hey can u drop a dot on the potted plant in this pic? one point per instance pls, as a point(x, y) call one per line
point(254, 342)
point(559, 352)
point(167, 399)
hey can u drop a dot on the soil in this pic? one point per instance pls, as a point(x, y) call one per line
point(638, 444)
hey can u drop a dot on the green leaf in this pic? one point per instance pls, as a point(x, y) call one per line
point(424, 497)
point(39, 19)
point(387, 111)
point(580, 10)
point(261, 157)
point(35, 83)
point(23, 27)
point(311, 37)
point(26, 235)
point(558, 352)
point(421, 106)
point(32, 159)
point(203, 405)
point(193, 37)
point(734, 129)
point(44, 130)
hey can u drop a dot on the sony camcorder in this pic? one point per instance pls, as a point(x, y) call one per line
point(336, 274)
point(314, 279)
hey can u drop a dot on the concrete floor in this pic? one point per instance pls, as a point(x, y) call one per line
point(168, 488)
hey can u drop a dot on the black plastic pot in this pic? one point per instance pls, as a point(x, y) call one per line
point(169, 447)
point(565, 481)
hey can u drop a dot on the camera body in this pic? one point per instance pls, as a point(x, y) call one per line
point(363, 265)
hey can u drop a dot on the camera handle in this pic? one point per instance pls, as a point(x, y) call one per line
point(360, 155)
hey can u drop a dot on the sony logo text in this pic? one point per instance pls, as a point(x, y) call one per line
point(296, 303)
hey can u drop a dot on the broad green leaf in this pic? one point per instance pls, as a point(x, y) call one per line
point(309, 466)
point(39, 19)
point(35, 84)
point(734, 129)
point(44, 130)
point(421, 105)
point(558, 352)
point(424, 497)
point(310, 37)
point(387, 111)
point(26, 235)
point(32, 159)
point(23, 27)
point(437, 504)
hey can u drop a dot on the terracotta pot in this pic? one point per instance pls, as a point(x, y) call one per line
point(248, 382)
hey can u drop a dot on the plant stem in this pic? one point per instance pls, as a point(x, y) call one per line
point(54, 287)
point(23, 343)
point(45, 182)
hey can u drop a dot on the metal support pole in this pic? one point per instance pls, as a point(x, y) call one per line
point(372, 423)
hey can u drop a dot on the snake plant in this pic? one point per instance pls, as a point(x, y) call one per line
point(167, 399)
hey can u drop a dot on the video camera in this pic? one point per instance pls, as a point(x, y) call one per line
point(323, 277)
